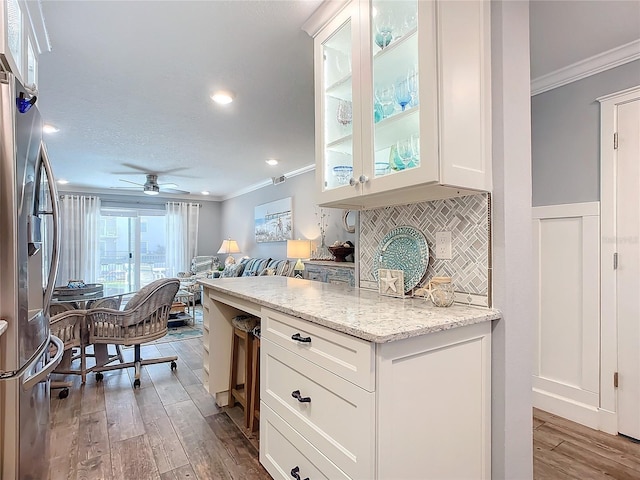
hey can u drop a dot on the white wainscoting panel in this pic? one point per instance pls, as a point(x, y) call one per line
point(567, 288)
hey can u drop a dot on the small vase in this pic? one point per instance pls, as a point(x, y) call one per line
point(322, 252)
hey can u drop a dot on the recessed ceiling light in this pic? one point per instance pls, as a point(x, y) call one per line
point(46, 128)
point(204, 192)
point(272, 161)
point(222, 97)
point(63, 181)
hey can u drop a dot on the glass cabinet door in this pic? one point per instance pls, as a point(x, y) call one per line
point(396, 99)
point(337, 103)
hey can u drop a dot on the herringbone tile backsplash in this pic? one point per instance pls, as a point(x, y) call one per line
point(467, 218)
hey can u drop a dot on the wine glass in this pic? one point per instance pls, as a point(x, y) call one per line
point(414, 140)
point(385, 99)
point(384, 29)
point(403, 97)
point(344, 114)
point(412, 86)
point(405, 151)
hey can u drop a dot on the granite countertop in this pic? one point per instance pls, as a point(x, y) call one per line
point(358, 312)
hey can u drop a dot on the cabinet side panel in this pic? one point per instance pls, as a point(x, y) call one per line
point(443, 429)
point(465, 93)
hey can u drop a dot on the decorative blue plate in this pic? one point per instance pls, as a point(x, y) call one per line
point(403, 248)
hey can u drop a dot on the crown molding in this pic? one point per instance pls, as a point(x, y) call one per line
point(323, 14)
point(587, 67)
point(266, 183)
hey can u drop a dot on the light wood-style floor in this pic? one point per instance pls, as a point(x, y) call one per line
point(171, 429)
point(566, 450)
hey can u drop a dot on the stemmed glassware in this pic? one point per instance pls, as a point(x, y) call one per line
point(412, 86)
point(344, 115)
point(384, 28)
point(409, 151)
point(403, 97)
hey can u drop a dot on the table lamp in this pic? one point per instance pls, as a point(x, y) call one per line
point(298, 249)
point(229, 246)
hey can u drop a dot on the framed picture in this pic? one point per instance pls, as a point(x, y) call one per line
point(274, 221)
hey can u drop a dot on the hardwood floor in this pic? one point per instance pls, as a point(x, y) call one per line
point(566, 450)
point(170, 428)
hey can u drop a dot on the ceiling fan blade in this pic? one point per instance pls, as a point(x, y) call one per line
point(174, 190)
point(134, 183)
point(168, 185)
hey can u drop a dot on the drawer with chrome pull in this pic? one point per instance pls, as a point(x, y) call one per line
point(288, 456)
point(334, 415)
point(348, 357)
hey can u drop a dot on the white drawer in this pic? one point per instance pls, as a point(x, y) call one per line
point(334, 415)
point(349, 357)
point(282, 450)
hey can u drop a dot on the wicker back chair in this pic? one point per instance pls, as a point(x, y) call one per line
point(69, 326)
point(143, 319)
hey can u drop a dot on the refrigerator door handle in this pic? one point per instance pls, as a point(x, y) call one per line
point(43, 375)
point(55, 211)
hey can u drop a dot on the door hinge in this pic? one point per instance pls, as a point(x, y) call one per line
point(615, 379)
point(615, 261)
point(615, 141)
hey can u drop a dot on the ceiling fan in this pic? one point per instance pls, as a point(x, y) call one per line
point(152, 187)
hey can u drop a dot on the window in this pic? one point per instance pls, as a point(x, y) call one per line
point(132, 247)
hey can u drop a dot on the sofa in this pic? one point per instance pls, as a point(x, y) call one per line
point(253, 267)
point(202, 266)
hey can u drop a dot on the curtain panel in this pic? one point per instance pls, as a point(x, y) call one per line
point(182, 236)
point(80, 239)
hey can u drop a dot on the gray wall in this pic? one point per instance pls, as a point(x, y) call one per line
point(565, 134)
point(238, 217)
point(209, 236)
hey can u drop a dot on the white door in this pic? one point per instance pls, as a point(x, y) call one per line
point(627, 213)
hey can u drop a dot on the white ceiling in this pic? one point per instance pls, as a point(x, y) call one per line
point(128, 84)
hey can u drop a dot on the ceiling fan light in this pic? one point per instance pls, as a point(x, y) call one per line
point(151, 189)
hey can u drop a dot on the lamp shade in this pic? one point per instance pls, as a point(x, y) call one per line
point(229, 246)
point(298, 248)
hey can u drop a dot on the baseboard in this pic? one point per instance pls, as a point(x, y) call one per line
point(581, 413)
point(608, 421)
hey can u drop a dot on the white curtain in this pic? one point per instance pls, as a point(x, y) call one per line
point(182, 236)
point(79, 239)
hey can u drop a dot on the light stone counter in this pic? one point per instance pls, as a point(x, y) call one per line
point(358, 312)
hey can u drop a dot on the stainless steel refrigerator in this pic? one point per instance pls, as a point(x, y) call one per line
point(28, 351)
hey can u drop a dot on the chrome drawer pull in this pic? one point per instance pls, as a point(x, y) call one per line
point(295, 473)
point(299, 338)
point(296, 394)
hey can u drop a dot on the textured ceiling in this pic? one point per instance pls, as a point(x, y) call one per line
point(128, 84)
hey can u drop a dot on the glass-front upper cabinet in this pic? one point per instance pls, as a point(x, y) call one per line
point(403, 105)
point(12, 36)
point(337, 112)
point(401, 123)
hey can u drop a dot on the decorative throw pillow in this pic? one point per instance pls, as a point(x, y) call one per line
point(268, 271)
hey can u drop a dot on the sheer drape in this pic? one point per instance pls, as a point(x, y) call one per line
point(182, 236)
point(79, 239)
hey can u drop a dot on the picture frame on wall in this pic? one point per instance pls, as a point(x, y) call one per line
point(274, 221)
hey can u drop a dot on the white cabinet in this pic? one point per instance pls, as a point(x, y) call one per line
point(418, 408)
point(402, 101)
point(22, 38)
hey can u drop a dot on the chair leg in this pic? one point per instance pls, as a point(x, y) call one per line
point(248, 348)
point(119, 352)
point(233, 374)
point(83, 364)
point(138, 366)
point(254, 408)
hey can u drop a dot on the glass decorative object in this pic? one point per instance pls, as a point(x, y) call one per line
point(441, 291)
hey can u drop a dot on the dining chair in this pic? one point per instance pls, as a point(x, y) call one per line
point(143, 319)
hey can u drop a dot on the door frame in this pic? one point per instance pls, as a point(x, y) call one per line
point(608, 311)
